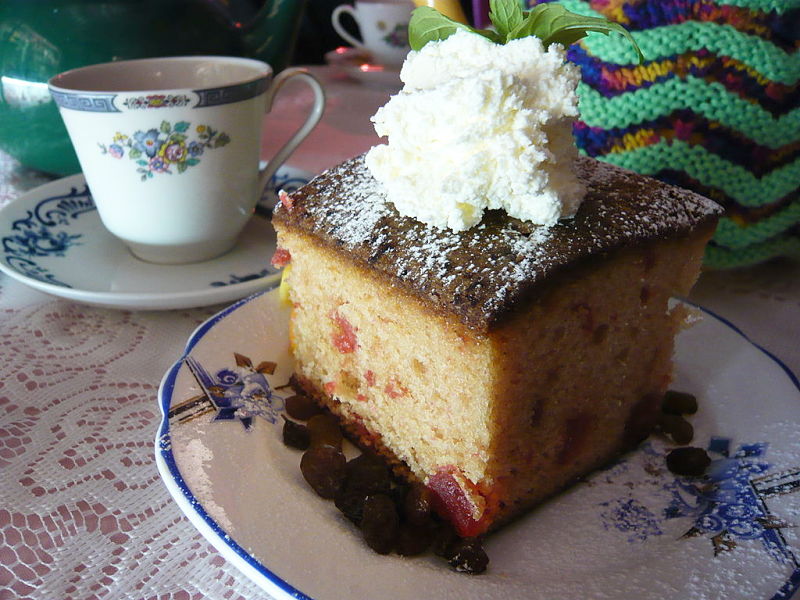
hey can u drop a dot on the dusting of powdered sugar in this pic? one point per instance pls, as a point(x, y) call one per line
point(481, 272)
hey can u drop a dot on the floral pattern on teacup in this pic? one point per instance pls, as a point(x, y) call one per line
point(157, 101)
point(398, 37)
point(160, 150)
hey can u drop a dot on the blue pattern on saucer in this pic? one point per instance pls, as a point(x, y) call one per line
point(234, 279)
point(282, 180)
point(43, 233)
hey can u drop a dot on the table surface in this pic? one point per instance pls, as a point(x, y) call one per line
point(83, 511)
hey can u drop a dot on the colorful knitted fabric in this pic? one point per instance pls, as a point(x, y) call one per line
point(714, 108)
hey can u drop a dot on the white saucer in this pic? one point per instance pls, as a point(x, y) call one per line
point(52, 239)
point(357, 65)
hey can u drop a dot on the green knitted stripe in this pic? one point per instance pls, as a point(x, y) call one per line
point(733, 235)
point(669, 40)
point(711, 170)
point(709, 99)
point(718, 257)
point(778, 6)
point(722, 40)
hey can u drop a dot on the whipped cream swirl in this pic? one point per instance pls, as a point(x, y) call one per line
point(480, 126)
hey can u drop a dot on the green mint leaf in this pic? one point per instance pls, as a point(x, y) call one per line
point(506, 15)
point(529, 23)
point(554, 24)
point(429, 25)
point(550, 22)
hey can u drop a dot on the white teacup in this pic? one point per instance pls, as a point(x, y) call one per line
point(383, 26)
point(170, 147)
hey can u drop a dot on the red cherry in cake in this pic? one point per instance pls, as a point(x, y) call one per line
point(286, 200)
point(281, 258)
point(343, 337)
point(451, 502)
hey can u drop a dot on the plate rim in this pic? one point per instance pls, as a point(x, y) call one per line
point(129, 300)
point(254, 569)
point(177, 486)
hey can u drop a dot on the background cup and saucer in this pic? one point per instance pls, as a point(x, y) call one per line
point(383, 45)
point(160, 217)
point(170, 147)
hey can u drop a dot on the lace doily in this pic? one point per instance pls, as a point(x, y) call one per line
point(84, 513)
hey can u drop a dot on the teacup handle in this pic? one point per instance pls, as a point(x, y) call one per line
point(345, 8)
point(311, 121)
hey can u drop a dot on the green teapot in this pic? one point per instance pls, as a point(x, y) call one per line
point(40, 38)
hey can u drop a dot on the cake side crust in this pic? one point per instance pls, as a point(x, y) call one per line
point(581, 375)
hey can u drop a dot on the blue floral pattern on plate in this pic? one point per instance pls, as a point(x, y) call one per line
point(238, 393)
point(727, 506)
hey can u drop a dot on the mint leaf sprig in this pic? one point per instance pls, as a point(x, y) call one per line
point(429, 25)
point(552, 23)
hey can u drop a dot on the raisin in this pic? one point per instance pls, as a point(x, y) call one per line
point(380, 523)
point(296, 435)
point(351, 505)
point(324, 468)
point(679, 403)
point(468, 556)
point(398, 495)
point(325, 431)
point(301, 407)
point(414, 539)
point(678, 428)
point(418, 504)
point(689, 461)
point(367, 474)
point(444, 539)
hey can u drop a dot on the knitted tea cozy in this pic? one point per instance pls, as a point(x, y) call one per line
point(714, 108)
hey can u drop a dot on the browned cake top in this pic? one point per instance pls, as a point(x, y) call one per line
point(482, 273)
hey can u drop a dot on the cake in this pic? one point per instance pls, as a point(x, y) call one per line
point(474, 301)
point(499, 364)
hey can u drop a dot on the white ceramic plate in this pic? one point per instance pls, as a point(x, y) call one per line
point(357, 64)
point(631, 531)
point(52, 239)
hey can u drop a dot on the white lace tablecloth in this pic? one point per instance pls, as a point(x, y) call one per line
point(83, 512)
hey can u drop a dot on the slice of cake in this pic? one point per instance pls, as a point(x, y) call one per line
point(473, 300)
point(500, 363)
